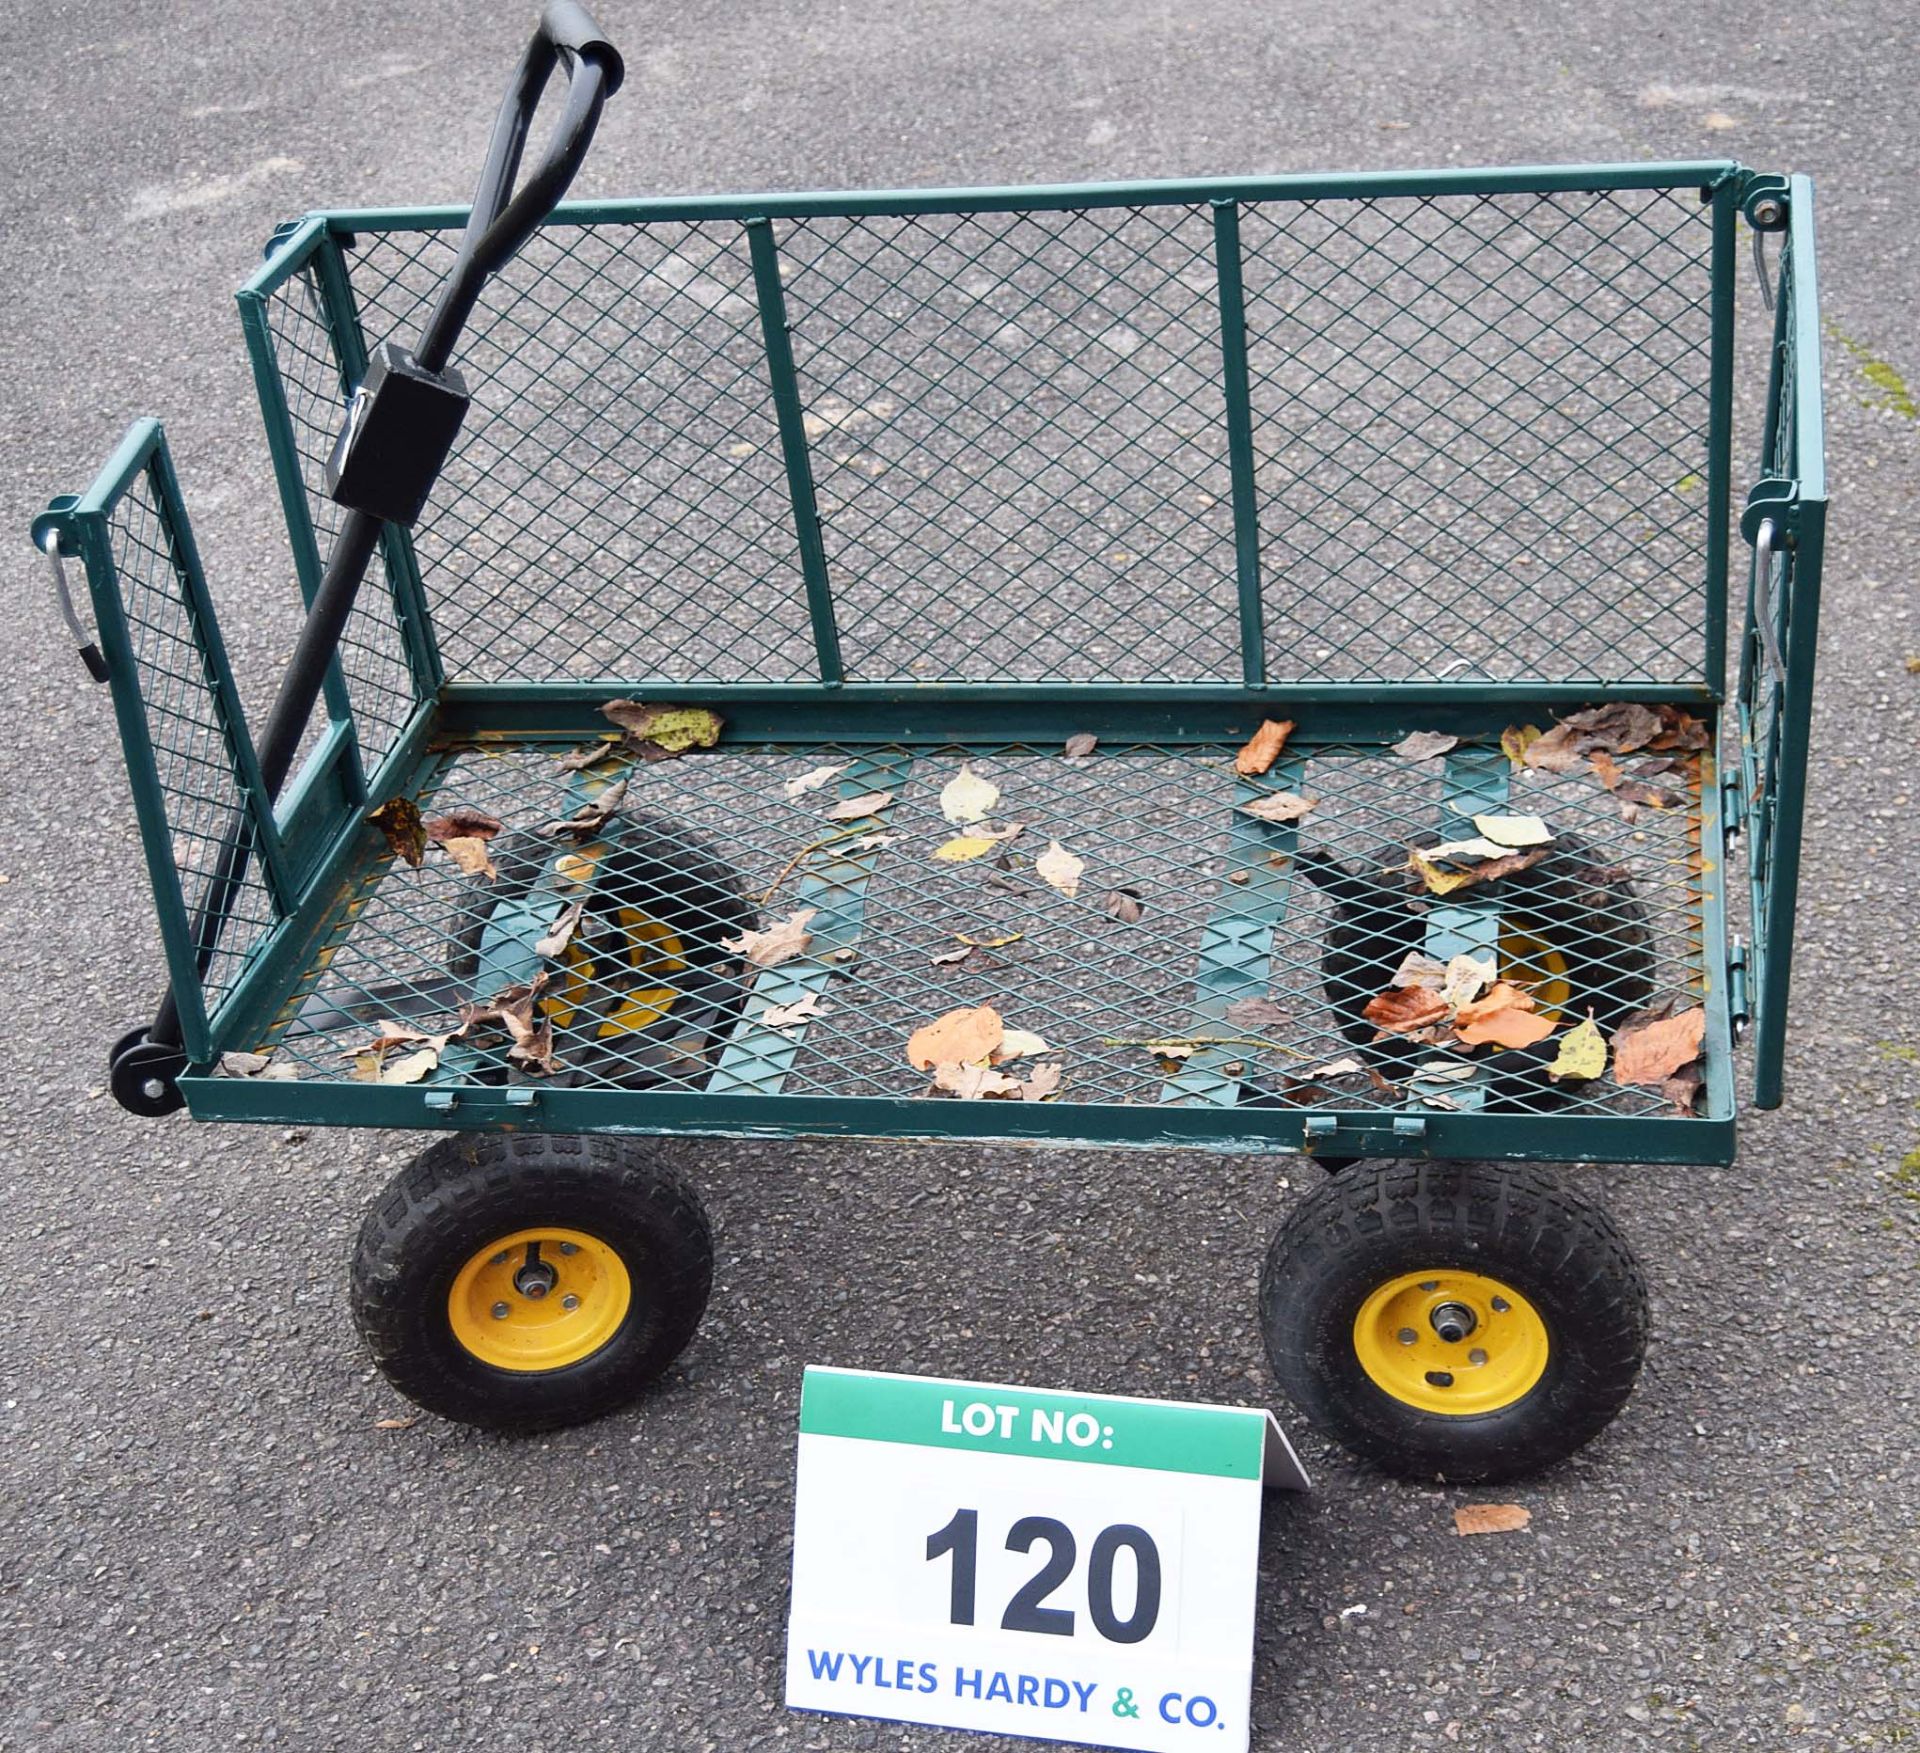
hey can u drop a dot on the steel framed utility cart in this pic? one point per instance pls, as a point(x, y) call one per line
point(949, 549)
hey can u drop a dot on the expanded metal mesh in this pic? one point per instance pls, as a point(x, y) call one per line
point(1126, 992)
point(1478, 442)
point(189, 738)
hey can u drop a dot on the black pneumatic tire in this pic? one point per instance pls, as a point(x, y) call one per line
point(1516, 1224)
point(463, 1193)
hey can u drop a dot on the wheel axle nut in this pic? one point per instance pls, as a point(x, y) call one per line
point(1453, 1322)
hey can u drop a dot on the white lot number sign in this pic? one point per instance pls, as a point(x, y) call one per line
point(1074, 1567)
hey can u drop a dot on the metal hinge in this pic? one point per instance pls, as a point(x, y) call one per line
point(1739, 1007)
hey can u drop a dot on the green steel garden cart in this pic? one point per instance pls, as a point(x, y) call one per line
point(1232, 666)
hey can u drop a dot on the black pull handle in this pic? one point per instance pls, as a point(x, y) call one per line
point(503, 218)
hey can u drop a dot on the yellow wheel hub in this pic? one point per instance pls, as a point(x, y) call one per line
point(1450, 1342)
point(539, 1299)
point(1528, 960)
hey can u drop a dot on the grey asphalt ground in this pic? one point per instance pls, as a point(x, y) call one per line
point(206, 1540)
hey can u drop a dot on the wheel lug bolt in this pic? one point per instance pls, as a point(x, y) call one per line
point(569, 1302)
point(500, 1259)
point(1476, 1356)
point(1406, 1336)
point(569, 1247)
point(1501, 1305)
point(499, 1311)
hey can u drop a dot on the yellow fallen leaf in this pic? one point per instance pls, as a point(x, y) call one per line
point(966, 797)
point(1514, 830)
point(410, 1069)
point(964, 847)
point(1583, 1053)
point(1516, 739)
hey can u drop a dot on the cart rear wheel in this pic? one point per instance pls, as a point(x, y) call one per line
point(1459, 1320)
point(523, 1282)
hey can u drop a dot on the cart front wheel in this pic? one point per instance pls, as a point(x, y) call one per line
point(524, 1282)
point(1454, 1320)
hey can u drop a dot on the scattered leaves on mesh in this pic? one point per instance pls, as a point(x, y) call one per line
point(1402, 1010)
point(1124, 905)
point(998, 942)
point(514, 1009)
point(1473, 850)
point(1514, 830)
point(1337, 1068)
point(1683, 1088)
point(560, 932)
point(1680, 730)
point(966, 797)
point(1444, 882)
point(1505, 1017)
point(398, 820)
point(589, 755)
point(589, 818)
point(1652, 1046)
point(1280, 806)
point(1423, 745)
point(961, 1037)
point(470, 853)
point(1582, 1055)
point(461, 823)
point(946, 958)
point(778, 943)
point(1081, 746)
point(1618, 728)
point(1041, 1082)
point(658, 733)
point(866, 804)
point(1263, 748)
point(1445, 1071)
point(785, 1017)
point(812, 780)
point(1490, 1518)
point(1060, 869)
point(1257, 1013)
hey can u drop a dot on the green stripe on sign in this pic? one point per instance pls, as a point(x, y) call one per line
point(1223, 1441)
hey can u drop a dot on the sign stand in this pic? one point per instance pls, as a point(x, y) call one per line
point(1072, 1567)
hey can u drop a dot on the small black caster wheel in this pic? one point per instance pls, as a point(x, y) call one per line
point(1461, 1321)
point(144, 1075)
point(519, 1282)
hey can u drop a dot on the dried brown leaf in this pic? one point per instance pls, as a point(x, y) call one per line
point(1040, 1082)
point(812, 780)
point(412, 1068)
point(1417, 968)
point(1516, 739)
point(462, 823)
point(868, 803)
point(396, 1423)
point(1683, 1088)
point(998, 942)
point(560, 932)
point(1679, 729)
point(1490, 1518)
point(945, 958)
point(1081, 746)
point(778, 943)
point(1444, 882)
point(1280, 806)
point(1402, 1009)
point(1651, 1048)
point(398, 820)
point(1263, 747)
point(1617, 728)
point(1423, 745)
point(1124, 905)
point(657, 731)
point(971, 1082)
point(590, 817)
point(590, 755)
point(1506, 1017)
point(961, 1037)
point(471, 855)
point(791, 1016)
point(1254, 1014)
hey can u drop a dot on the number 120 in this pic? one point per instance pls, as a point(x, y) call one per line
point(1025, 1612)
